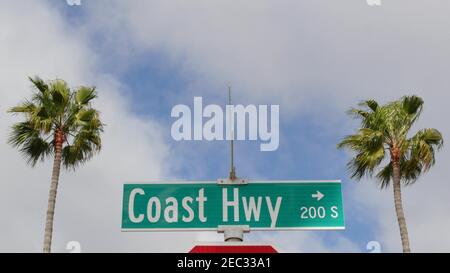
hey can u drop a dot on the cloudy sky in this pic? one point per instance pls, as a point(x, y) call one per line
point(314, 58)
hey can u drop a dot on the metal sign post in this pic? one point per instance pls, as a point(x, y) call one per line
point(232, 233)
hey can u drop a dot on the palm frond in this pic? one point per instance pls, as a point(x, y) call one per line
point(412, 105)
point(39, 84)
point(423, 146)
point(55, 108)
point(84, 95)
point(358, 113)
point(372, 104)
point(60, 94)
point(85, 144)
point(384, 176)
point(30, 143)
point(27, 107)
point(387, 127)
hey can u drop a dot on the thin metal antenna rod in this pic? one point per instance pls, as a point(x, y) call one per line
point(232, 169)
point(233, 233)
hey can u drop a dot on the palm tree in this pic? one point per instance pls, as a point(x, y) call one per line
point(383, 139)
point(58, 123)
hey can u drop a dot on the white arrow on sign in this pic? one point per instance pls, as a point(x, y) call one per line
point(318, 195)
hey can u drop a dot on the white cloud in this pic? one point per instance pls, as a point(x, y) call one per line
point(316, 57)
point(308, 56)
point(35, 39)
point(293, 51)
point(89, 201)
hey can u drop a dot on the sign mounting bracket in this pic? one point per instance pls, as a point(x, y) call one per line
point(233, 233)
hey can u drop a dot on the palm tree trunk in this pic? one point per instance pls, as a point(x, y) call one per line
point(399, 207)
point(52, 193)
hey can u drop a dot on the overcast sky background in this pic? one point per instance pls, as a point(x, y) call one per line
point(314, 58)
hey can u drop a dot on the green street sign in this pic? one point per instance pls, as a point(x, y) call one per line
point(262, 205)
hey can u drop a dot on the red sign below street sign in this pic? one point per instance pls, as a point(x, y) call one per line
point(233, 248)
